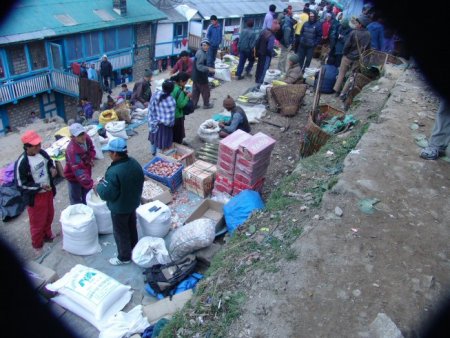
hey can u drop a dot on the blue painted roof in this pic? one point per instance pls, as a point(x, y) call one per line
point(38, 19)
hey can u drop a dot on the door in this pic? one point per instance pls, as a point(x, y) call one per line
point(56, 56)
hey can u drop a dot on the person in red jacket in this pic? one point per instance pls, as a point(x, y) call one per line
point(80, 155)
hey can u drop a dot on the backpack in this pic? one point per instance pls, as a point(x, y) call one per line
point(163, 278)
point(189, 107)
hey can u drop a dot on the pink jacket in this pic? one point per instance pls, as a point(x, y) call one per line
point(79, 163)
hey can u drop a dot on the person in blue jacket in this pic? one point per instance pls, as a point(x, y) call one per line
point(214, 36)
point(376, 29)
point(329, 75)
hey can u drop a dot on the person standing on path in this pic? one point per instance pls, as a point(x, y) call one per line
point(358, 41)
point(310, 37)
point(106, 72)
point(270, 16)
point(264, 51)
point(161, 118)
point(200, 84)
point(142, 91)
point(214, 36)
point(247, 39)
point(92, 72)
point(181, 99)
point(440, 136)
point(287, 37)
point(34, 172)
point(80, 154)
point(303, 17)
point(121, 188)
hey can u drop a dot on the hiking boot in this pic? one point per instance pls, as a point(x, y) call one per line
point(208, 106)
point(432, 153)
point(117, 261)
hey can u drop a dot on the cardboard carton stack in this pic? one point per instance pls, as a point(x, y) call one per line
point(199, 178)
point(228, 149)
point(252, 161)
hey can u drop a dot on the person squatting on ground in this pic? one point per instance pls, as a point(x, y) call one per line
point(440, 136)
point(214, 36)
point(184, 64)
point(142, 91)
point(161, 118)
point(310, 37)
point(106, 72)
point(200, 73)
point(358, 41)
point(87, 107)
point(34, 172)
point(264, 51)
point(181, 98)
point(247, 40)
point(294, 73)
point(121, 188)
point(80, 154)
point(238, 119)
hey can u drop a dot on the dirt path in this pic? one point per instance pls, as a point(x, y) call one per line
point(350, 268)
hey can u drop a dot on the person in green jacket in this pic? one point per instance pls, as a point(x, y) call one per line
point(121, 188)
point(181, 98)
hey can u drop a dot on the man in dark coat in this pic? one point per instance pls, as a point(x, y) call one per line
point(142, 91)
point(264, 51)
point(106, 70)
point(310, 37)
point(200, 76)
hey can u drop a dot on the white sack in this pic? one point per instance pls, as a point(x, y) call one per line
point(193, 236)
point(80, 232)
point(222, 72)
point(125, 324)
point(272, 74)
point(95, 137)
point(154, 223)
point(116, 129)
point(101, 212)
point(255, 112)
point(208, 131)
point(150, 251)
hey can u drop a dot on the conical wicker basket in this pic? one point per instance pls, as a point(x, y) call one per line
point(289, 98)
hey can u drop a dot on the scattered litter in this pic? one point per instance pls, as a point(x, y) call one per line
point(338, 211)
point(414, 126)
point(355, 151)
point(106, 243)
point(329, 153)
point(367, 205)
point(376, 285)
point(354, 230)
point(422, 143)
point(265, 229)
point(316, 217)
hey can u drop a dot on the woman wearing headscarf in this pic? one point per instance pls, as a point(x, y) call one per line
point(161, 118)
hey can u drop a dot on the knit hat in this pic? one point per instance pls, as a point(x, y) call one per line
point(294, 58)
point(148, 73)
point(205, 41)
point(363, 20)
point(229, 103)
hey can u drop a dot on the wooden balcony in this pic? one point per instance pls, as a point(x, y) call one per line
point(64, 82)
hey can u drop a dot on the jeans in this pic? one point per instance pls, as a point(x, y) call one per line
point(211, 57)
point(106, 83)
point(261, 68)
point(305, 52)
point(77, 194)
point(125, 234)
point(243, 57)
point(440, 137)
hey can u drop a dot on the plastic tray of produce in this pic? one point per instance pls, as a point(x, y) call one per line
point(168, 173)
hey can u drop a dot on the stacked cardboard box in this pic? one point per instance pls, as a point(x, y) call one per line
point(252, 161)
point(199, 178)
point(228, 149)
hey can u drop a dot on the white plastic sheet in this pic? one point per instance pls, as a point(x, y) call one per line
point(125, 324)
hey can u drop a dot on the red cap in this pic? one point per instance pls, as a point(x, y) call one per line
point(31, 137)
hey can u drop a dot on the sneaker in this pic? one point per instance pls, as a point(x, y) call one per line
point(432, 153)
point(117, 261)
point(208, 106)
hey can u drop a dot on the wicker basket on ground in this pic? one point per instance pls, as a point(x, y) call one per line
point(357, 82)
point(313, 136)
point(289, 98)
point(372, 58)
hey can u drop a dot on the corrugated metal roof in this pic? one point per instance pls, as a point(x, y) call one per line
point(31, 19)
point(169, 10)
point(234, 8)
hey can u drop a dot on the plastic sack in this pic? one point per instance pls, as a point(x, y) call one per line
point(208, 131)
point(90, 294)
point(272, 74)
point(95, 137)
point(116, 129)
point(154, 223)
point(222, 72)
point(125, 324)
point(101, 212)
point(80, 232)
point(240, 207)
point(193, 236)
point(150, 251)
point(107, 116)
point(310, 72)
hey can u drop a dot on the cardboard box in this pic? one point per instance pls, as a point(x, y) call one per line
point(164, 197)
point(212, 210)
point(199, 178)
point(179, 153)
point(256, 147)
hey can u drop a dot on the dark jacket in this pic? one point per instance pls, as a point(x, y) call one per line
point(78, 166)
point(238, 121)
point(342, 36)
point(247, 39)
point(106, 68)
point(311, 34)
point(358, 41)
point(142, 91)
point(376, 31)
point(330, 73)
point(264, 43)
point(24, 178)
point(122, 186)
point(200, 70)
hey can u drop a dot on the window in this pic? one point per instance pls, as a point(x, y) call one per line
point(2, 70)
point(125, 37)
point(38, 57)
point(74, 47)
point(109, 40)
point(17, 61)
point(92, 44)
point(180, 29)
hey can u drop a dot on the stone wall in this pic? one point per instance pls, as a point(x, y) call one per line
point(19, 113)
point(143, 53)
point(71, 107)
